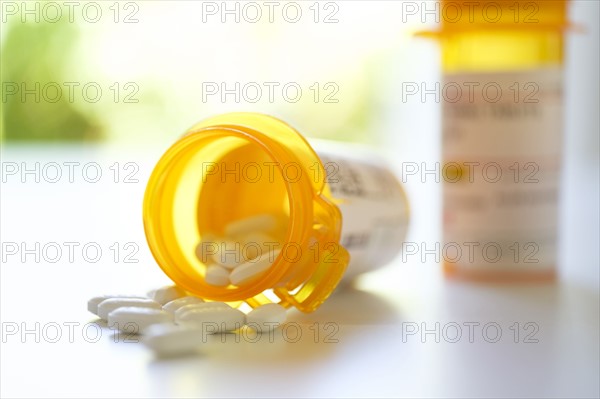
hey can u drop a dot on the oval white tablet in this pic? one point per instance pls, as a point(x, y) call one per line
point(266, 317)
point(205, 305)
point(135, 319)
point(228, 254)
point(167, 294)
point(253, 269)
point(207, 245)
point(175, 304)
point(110, 304)
point(217, 275)
point(213, 320)
point(256, 244)
point(93, 303)
point(172, 340)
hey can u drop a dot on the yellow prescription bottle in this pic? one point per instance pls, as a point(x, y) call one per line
point(343, 204)
point(502, 135)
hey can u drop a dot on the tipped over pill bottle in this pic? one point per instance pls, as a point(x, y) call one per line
point(242, 209)
point(502, 136)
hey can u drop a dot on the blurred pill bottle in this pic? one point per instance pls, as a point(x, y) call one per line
point(502, 128)
point(343, 205)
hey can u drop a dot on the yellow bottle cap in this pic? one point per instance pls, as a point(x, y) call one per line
point(464, 15)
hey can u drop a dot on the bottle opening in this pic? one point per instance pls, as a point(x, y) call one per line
point(235, 209)
point(212, 180)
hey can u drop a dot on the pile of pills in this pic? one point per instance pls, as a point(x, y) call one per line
point(173, 323)
point(245, 254)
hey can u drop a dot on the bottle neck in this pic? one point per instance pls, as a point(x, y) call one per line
point(501, 50)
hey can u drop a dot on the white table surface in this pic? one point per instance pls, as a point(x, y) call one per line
point(370, 356)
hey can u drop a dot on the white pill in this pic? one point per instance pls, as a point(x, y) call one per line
point(228, 254)
point(175, 304)
point(135, 319)
point(206, 244)
point(256, 244)
point(266, 317)
point(263, 222)
point(213, 320)
point(252, 269)
point(93, 303)
point(110, 304)
point(217, 275)
point(205, 305)
point(166, 294)
point(172, 340)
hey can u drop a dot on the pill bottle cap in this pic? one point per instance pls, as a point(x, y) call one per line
point(458, 16)
point(187, 198)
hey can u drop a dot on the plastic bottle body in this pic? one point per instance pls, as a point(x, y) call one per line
point(502, 140)
point(232, 167)
point(373, 204)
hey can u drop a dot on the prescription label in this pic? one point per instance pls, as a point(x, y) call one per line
point(501, 152)
point(373, 205)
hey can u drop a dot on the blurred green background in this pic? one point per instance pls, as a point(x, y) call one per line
point(138, 71)
point(33, 55)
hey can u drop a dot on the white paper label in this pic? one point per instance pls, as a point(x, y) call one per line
point(373, 205)
point(502, 140)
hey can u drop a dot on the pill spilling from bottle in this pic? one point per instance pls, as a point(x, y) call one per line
point(178, 326)
point(173, 322)
point(246, 251)
point(271, 240)
point(243, 208)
